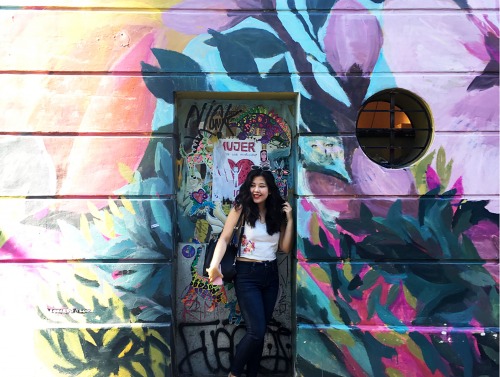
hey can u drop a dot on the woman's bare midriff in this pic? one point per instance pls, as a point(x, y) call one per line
point(242, 259)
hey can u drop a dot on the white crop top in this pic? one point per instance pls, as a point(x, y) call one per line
point(257, 244)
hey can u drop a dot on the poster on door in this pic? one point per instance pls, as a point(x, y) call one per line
point(232, 160)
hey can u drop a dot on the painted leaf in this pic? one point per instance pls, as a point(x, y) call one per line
point(320, 274)
point(261, 43)
point(236, 58)
point(477, 276)
point(374, 300)
point(172, 62)
point(410, 299)
point(163, 166)
point(393, 294)
point(432, 179)
point(271, 82)
point(315, 116)
point(443, 168)
point(419, 169)
point(318, 19)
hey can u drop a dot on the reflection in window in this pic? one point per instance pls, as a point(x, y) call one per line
point(393, 128)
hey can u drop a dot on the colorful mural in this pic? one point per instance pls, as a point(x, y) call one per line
point(107, 185)
point(221, 141)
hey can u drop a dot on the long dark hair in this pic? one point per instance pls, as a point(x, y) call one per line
point(274, 201)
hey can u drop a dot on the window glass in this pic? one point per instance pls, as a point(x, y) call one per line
point(394, 128)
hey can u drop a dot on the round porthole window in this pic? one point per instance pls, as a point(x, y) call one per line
point(394, 128)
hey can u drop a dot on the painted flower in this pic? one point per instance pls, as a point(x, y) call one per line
point(485, 47)
point(89, 104)
point(409, 46)
point(224, 14)
point(352, 43)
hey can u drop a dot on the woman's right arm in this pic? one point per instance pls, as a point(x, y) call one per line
point(220, 249)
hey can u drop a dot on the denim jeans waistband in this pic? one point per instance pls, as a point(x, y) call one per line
point(262, 264)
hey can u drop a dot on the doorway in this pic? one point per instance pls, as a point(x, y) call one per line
point(221, 136)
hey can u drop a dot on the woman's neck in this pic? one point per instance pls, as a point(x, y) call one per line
point(262, 213)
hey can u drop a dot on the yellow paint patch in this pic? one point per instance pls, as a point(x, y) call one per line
point(201, 229)
point(341, 337)
point(391, 372)
point(114, 209)
point(126, 172)
point(139, 332)
point(320, 274)
point(347, 269)
point(158, 357)
point(127, 348)
point(72, 342)
point(94, 210)
point(391, 338)
point(157, 336)
point(85, 229)
point(3, 238)
point(122, 372)
point(334, 310)
point(106, 225)
point(88, 338)
point(128, 205)
point(410, 299)
point(110, 224)
point(314, 229)
point(138, 368)
point(46, 353)
point(109, 336)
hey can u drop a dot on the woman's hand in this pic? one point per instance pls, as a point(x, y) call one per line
point(287, 208)
point(286, 235)
point(214, 275)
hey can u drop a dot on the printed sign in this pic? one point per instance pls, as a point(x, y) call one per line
point(232, 160)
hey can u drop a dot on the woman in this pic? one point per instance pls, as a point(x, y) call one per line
point(268, 228)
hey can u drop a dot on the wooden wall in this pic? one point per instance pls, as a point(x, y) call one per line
point(395, 271)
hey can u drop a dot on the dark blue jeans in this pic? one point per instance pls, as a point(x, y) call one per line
point(256, 285)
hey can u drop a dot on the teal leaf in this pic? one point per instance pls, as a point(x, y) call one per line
point(164, 86)
point(374, 300)
point(164, 166)
point(468, 250)
point(393, 294)
point(175, 62)
point(390, 319)
point(432, 358)
point(236, 58)
point(260, 43)
point(477, 276)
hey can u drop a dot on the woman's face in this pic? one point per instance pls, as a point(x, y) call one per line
point(259, 190)
point(263, 156)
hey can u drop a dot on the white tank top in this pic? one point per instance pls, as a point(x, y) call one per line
point(257, 244)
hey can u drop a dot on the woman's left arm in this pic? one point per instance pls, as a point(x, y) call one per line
point(286, 235)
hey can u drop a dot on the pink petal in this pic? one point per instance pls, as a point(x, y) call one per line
point(352, 41)
point(198, 22)
point(432, 179)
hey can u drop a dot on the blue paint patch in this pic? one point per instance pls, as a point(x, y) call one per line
point(163, 116)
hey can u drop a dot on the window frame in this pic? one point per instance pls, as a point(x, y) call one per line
point(420, 128)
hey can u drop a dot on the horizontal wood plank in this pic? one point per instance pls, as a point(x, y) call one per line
point(118, 41)
point(403, 296)
point(336, 165)
point(86, 165)
point(86, 229)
